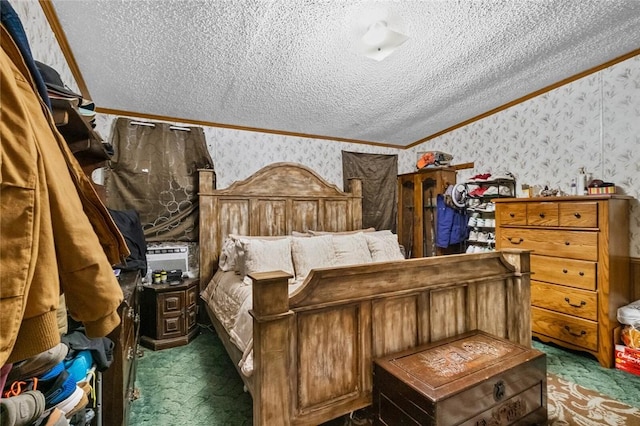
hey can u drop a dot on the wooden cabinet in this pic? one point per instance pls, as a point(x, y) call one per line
point(169, 314)
point(417, 221)
point(118, 381)
point(579, 264)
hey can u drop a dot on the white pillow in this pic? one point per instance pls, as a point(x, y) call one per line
point(311, 252)
point(266, 255)
point(383, 246)
point(351, 249)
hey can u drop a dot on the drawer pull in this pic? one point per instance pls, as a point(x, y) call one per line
point(582, 332)
point(581, 273)
point(499, 390)
point(542, 215)
point(577, 215)
point(566, 243)
point(512, 240)
point(564, 271)
point(582, 303)
point(512, 215)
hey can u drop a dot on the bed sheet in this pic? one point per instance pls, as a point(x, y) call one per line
point(230, 299)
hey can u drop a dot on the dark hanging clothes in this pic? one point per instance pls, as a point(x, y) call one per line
point(128, 222)
point(452, 224)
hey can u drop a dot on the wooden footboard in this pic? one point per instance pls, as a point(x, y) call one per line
point(313, 351)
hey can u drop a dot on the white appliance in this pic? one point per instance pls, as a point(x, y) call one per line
point(168, 258)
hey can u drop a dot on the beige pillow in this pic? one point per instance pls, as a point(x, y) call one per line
point(341, 232)
point(266, 255)
point(228, 255)
point(383, 246)
point(351, 249)
point(311, 252)
point(236, 257)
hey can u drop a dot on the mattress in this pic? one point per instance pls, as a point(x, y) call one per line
point(230, 300)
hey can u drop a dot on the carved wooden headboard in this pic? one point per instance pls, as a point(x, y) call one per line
point(276, 200)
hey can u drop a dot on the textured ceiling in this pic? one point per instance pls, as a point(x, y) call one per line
point(293, 66)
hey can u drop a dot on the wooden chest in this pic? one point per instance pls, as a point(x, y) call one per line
point(471, 379)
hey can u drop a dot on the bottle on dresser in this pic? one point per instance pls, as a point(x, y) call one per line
point(581, 182)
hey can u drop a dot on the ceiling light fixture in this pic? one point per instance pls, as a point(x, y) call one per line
point(380, 41)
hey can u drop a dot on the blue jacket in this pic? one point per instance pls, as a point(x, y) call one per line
point(451, 224)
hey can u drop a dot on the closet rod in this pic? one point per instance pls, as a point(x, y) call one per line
point(142, 123)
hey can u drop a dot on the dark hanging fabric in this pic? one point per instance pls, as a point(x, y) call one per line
point(154, 171)
point(128, 222)
point(379, 174)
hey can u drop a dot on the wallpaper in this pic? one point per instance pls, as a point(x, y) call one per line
point(593, 122)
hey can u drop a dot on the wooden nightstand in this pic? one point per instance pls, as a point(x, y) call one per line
point(169, 314)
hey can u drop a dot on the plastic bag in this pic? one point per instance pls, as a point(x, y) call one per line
point(631, 336)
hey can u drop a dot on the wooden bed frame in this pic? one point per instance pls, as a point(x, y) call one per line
point(313, 350)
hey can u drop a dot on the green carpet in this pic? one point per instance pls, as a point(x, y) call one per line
point(197, 384)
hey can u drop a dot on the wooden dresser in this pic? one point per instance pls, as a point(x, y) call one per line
point(169, 314)
point(579, 265)
point(118, 381)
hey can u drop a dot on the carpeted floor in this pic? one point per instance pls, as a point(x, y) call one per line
point(175, 390)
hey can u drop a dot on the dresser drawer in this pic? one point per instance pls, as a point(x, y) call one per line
point(542, 214)
point(579, 215)
point(512, 214)
point(569, 272)
point(580, 303)
point(572, 244)
point(577, 331)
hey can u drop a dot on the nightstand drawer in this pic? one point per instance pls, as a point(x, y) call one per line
point(579, 215)
point(572, 244)
point(171, 303)
point(580, 303)
point(569, 272)
point(578, 332)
